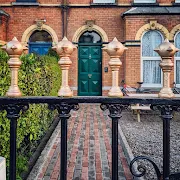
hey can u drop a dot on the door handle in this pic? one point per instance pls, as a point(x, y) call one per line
point(89, 75)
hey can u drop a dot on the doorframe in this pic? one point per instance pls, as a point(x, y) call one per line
point(88, 44)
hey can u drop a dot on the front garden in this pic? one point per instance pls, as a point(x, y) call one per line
point(38, 76)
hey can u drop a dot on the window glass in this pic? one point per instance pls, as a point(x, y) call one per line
point(103, 1)
point(144, 1)
point(177, 58)
point(40, 36)
point(150, 59)
point(150, 41)
point(26, 1)
point(90, 37)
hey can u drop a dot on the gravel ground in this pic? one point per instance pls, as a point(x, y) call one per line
point(145, 138)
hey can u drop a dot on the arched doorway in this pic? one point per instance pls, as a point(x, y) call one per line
point(90, 64)
point(40, 42)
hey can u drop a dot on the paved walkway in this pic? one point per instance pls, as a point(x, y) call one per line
point(89, 149)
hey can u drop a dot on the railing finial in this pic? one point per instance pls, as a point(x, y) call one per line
point(64, 49)
point(115, 49)
point(14, 49)
point(166, 50)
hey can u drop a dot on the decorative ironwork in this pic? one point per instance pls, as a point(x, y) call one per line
point(115, 106)
point(64, 110)
point(115, 114)
point(114, 109)
point(142, 169)
point(13, 111)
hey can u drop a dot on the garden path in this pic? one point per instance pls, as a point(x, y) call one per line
point(89, 149)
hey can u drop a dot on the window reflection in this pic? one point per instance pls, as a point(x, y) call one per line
point(90, 37)
point(40, 36)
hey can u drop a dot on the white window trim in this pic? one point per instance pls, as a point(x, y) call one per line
point(103, 1)
point(176, 59)
point(144, 1)
point(150, 58)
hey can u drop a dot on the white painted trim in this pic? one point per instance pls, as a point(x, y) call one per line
point(149, 58)
point(176, 59)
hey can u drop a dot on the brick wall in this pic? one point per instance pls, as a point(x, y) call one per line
point(3, 28)
point(109, 19)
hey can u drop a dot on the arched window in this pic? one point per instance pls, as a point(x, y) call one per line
point(151, 72)
point(177, 59)
point(90, 37)
point(40, 42)
point(40, 36)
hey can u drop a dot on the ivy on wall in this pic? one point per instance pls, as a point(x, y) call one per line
point(38, 76)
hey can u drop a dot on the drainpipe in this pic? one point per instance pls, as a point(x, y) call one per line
point(64, 18)
point(7, 26)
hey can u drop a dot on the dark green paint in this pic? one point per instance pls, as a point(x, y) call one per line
point(90, 70)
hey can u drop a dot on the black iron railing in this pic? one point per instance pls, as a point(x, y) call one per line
point(14, 106)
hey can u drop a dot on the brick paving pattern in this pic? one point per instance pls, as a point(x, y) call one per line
point(89, 149)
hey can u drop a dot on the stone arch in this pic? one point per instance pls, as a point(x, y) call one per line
point(173, 32)
point(28, 32)
point(153, 25)
point(85, 28)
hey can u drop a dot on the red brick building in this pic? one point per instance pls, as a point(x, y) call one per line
point(140, 24)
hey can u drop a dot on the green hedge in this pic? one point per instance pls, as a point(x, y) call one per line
point(38, 76)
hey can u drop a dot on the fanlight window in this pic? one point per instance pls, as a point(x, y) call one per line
point(177, 59)
point(151, 72)
point(90, 37)
point(40, 36)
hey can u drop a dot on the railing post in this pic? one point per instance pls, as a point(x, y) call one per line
point(64, 114)
point(115, 114)
point(166, 114)
point(115, 49)
point(13, 114)
point(166, 50)
point(14, 49)
point(64, 49)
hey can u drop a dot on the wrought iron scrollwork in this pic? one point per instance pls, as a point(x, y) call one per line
point(166, 110)
point(13, 110)
point(64, 108)
point(142, 169)
point(114, 109)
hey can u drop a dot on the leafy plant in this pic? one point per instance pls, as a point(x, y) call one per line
point(38, 76)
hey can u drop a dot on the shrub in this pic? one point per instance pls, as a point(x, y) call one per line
point(38, 76)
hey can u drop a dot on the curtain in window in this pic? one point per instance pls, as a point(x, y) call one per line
point(177, 58)
point(151, 72)
point(151, 60)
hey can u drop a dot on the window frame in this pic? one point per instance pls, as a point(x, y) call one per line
point(175, 60)
point(157, 58)
point(114, 1)
point(144, 1)
point(26, 1)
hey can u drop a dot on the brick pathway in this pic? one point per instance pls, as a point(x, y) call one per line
point(89, 149)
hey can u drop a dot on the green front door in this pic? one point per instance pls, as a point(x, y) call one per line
point(90, 71)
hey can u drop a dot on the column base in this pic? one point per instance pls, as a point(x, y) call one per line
point(14, 91)
point(166, 93)
point(115, 92)
point(65, 92)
